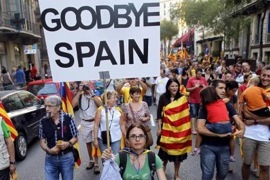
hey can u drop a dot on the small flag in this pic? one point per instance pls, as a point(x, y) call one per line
point(9, 123)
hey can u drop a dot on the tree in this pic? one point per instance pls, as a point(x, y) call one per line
point(167, 31)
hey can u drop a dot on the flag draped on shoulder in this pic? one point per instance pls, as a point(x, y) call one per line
point(176, 129)
point(66, 96)
point(8, 121)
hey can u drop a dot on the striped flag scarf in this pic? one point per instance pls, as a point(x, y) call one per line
point(9, 123)
point(176, 129)
point(67, 107)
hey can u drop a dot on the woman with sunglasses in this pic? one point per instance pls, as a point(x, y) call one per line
point(137, 160)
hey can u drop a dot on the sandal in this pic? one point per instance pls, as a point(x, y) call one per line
point(96, 169)
point(90, 165)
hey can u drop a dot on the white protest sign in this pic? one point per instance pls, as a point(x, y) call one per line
point(86, 37)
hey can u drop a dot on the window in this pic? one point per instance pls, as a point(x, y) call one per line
point(13, 5)
point(12, 103)
point(28, 99)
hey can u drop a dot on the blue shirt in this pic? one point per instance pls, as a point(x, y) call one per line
point(20, 76)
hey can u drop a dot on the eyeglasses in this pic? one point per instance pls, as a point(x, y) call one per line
point(134, 137)
point(50, 106)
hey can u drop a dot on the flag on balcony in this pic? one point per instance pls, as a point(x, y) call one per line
point(176, 130)
point(11, 127)
point(66, 96)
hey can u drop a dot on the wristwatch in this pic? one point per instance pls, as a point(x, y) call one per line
point(70, 144)
point(12, 162)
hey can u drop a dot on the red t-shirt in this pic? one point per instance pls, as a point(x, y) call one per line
point(194, 96)
point(33, 72)
point(217, 112)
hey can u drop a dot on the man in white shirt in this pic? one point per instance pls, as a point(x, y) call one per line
point(160, 85)
point(88, 104)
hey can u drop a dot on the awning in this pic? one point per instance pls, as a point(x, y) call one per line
point(185, 39)
point(219, 38)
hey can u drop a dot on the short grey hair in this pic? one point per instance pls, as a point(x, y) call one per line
point(54, 100)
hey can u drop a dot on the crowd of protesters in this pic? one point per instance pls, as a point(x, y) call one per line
point(205, 98)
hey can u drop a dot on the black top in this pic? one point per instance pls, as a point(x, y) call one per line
point(163, 101)
point(216, 141)
point(52, 133)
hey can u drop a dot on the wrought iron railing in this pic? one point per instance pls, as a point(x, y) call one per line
point(30, 27)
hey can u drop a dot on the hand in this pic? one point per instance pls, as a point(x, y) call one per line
point(107, 154)
point(239, 133)
point(96, 142)
point(196, 86)
point(64, 145)
point(224, 135)
point(54, 150)
point(12, 168)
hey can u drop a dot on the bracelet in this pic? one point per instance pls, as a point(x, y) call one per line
point(255, 122)
point(70, 144)
point(12, 162)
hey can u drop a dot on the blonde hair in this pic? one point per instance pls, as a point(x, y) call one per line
point(109, 95)
point(255, 80)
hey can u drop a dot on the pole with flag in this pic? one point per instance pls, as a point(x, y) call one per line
point(66, 96)
point(9, 123)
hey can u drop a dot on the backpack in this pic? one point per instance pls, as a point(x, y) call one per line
point(151, 162)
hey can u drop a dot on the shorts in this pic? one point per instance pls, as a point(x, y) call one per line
point(194, 110)
point(251, 146)
point(87, 131)
point(264, 112)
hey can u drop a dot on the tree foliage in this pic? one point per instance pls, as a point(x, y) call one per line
point(213, 14)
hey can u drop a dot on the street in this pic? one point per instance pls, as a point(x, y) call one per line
point(32, 168)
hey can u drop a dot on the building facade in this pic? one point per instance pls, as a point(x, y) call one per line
point(19, 34)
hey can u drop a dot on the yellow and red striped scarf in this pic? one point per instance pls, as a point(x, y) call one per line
point(176, 129)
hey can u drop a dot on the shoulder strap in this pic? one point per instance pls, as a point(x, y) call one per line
point(80, 101)
point(123, 162)
point(152, 163)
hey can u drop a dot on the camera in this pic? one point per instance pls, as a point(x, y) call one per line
point(85, 88)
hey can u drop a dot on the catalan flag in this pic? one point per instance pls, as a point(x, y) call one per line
point(176, 129)
point(9, 123)
point(66, 96)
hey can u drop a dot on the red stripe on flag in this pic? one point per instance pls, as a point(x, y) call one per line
point(177, 122)
point(176, 134)
point(176, 145)
point(177, 109)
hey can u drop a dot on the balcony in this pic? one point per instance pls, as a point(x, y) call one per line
point(29, 30)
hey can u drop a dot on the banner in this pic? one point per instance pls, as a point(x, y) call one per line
point(87, 37)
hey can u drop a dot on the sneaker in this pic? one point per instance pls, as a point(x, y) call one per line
point(232, 159)
point(196, 152)
point(96, 169)
point(90, 165)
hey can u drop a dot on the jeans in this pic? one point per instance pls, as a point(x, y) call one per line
point(214, 155)
point(114, 145)
point(55, 165)
point(194, 110)
point(219, 128)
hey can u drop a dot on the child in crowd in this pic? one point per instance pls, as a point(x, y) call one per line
point(254, 97)
point(218, 120)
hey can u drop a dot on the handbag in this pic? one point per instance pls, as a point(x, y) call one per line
point(75, 154)
point(104, 137)
point(13, 176)
point(104, 133)
point(147, 128)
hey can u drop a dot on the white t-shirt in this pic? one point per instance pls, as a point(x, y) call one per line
point(258, 132)
point(161, 84)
